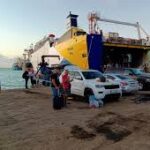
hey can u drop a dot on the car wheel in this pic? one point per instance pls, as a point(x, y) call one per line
point(117, 98)
point(141, 86)
point(87, 94)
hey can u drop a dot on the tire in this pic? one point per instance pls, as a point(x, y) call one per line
point(87, 93)
point(117, 98)
point(142, 86)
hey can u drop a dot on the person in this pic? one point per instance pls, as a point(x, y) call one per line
point(104, 68)
point(66, 85)
point(125, 60)
point(145, 68)
point(32, 77)
point(55, 83)
point(29, 74)
point(26, 77)
point(94, 102)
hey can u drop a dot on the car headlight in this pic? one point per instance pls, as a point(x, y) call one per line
point(148, 80)
point(99, 86)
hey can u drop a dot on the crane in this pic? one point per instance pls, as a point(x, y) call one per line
point(94, 28)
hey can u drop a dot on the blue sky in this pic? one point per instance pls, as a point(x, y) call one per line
point(23, 22)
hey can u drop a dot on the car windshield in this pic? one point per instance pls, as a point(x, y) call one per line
point(92, 74)
point(122, 77)
point(138, 71)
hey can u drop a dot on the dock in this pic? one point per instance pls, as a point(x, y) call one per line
point(28, 121)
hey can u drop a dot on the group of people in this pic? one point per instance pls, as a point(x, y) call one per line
point(60, 84)
point(29, 74)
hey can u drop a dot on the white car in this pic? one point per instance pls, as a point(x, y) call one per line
point(128, 85)
point(87, 82)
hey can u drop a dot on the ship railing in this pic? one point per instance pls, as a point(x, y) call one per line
point(127, 41)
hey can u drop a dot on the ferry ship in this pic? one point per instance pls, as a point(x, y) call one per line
point(92, 50)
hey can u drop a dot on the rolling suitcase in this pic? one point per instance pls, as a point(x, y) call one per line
point(58, 101)
point(57, 104)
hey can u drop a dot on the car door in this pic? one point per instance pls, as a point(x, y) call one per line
point(77, 84)
point(71, 74)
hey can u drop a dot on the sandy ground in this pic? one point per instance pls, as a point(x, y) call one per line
point(28, 122)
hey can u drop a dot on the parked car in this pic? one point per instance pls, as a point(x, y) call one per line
point(128, 85)
point(91, 82)
point(142, 77)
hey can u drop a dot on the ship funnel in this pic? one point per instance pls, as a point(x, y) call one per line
point(72, 20)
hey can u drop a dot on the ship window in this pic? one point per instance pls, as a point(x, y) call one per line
point(78, 33)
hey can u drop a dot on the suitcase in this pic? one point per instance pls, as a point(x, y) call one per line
point(57, 102)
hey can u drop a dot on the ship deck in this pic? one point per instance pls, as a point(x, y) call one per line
point(125, 55)
point(127, 46)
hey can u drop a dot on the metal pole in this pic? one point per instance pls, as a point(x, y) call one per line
point(138, 30)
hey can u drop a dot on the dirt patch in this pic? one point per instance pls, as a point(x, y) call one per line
point(80, 133)
point(28, 121)
point(7, 121)
point(115, 135)
point(116, 127)
point(83, 107)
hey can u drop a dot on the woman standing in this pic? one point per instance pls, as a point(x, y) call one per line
point(66, 85)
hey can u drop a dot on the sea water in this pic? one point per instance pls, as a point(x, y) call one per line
point(11, 79)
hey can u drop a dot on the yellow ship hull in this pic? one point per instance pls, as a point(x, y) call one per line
point(75, 51)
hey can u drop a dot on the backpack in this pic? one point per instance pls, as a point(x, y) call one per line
point(25, 75)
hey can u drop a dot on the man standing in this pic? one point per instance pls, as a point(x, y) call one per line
point(55, 83)
point(58, 102)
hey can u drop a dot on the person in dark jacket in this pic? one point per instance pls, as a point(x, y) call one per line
point(26, 77)
point(55, 83)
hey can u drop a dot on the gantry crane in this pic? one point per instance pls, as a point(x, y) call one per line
point(94, 28)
